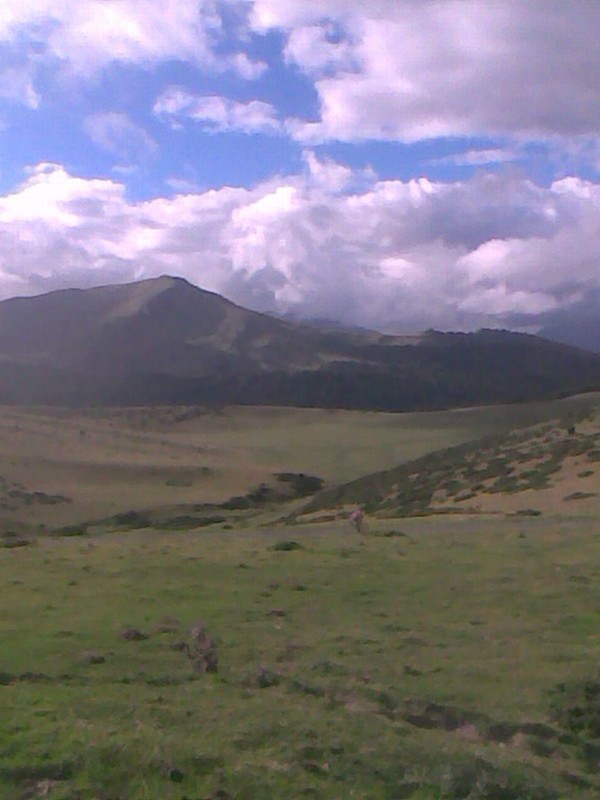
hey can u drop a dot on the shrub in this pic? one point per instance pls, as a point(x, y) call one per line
point(302, 485)
point(72, 530)
point(285, 545)
point(132, 519)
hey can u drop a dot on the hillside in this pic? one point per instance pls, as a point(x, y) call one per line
point(164, 341)
point(549, 468)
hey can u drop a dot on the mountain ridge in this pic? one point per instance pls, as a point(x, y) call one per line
point(163, 340)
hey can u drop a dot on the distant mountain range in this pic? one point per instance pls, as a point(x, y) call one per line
point(164, 341)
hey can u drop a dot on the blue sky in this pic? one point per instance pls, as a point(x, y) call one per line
point(398, 164)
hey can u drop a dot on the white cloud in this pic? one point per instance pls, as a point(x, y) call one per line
point(245, 67)
point(268, 14)
point(408, 70)
point(393, 254)
point(88, 34)
point(327, 174)
point(217, 114)
point(117, 134)
point(79, 38)
point(317, 49)
point(183, 185)
point(479, 158)
point(16, 85)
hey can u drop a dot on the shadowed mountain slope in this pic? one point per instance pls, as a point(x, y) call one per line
point(166, 341)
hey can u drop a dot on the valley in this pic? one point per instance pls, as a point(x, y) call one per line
point(63, 467)
point(162, 641)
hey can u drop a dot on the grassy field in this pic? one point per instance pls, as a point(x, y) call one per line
point(420, 662)
point(61, 467)
point(441, 657)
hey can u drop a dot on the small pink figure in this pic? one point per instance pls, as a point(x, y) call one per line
point(357, 518)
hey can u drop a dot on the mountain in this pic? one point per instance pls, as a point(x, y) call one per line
point(166, 341)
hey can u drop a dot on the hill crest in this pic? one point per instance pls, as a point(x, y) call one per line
point(166, 341)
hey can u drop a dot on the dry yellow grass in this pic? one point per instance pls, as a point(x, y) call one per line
point(106, 461)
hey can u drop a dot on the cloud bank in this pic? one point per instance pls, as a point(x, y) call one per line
point(389, 254)
point(494, 82)
point(418, 69)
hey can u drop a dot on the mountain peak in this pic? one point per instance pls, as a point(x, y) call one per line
point(135, 297)
point(165, 340)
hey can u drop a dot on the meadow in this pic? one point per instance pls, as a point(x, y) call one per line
point(61, 467)
point(449, 656)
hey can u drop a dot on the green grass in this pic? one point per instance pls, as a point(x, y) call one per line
point(414, 663)
point(448, 658)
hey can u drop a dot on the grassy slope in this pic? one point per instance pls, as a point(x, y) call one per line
point(117, 460)
point(543, 468)
point(399, 666)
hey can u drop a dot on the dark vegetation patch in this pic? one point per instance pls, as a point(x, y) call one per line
point(259, 496)
point(54, 771)
point(11, 539)
point(179, 482)
point(131, 519)
point(287, 545)
point(287, 486)
point(186, 522)
point(14, 496)
point(262, 678)
point(72, 530)
point(132, 635)
point(580, 495)
point(93, 657)
point(159, 519)
point(300, 484)
point(576, 706)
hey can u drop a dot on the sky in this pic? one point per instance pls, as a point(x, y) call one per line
point(393, 164)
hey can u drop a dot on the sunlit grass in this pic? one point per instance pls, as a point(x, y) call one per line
point(326, 653)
